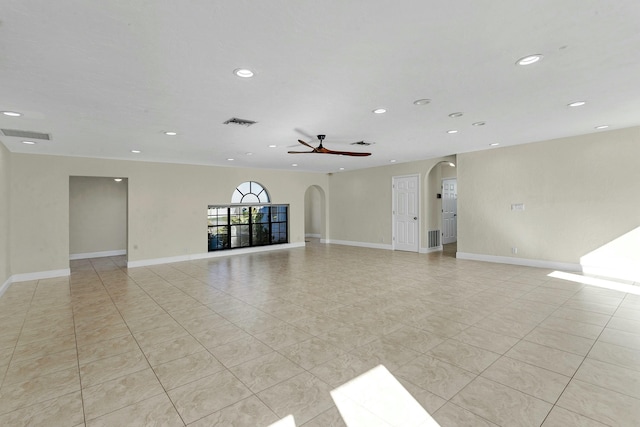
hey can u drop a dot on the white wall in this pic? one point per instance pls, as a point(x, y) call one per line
point(5, 208)
point(97, 215)
point(579, 193)
point(167, 205)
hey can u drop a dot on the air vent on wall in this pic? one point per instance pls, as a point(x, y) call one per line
point(241, 122)
point(26, 134)
point(366, 144)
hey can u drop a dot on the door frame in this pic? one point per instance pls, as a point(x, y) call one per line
point(393, 215)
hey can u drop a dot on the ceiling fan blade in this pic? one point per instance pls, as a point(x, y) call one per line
point(346, 153)
point(301, 152)
point(304, 143)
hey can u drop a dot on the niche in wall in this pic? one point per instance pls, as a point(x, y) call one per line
point(97, 217)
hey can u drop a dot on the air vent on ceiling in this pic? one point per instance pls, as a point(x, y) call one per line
point(241, 122)
point(366, 144)
point(26, 134)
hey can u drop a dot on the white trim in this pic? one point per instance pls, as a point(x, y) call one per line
point(429, 250)
point(38, 275)
point(316, 236)
point(98, 254)
point(527, 262)
point(216, 254)
point(360, 244)
point(5, 286)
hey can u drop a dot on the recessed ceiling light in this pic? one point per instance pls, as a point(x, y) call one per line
point(421, 101)
point(248, 154)
point(230, 159)
point(341, 169)
point(577, 104)
point(453, 165)
point(392, 161)
point(294, 164)
point(529, 59)
point(171, 133)
point(136, 151)
point(379, 111)
point(29, 142)
point(494, 144)
point(601, 127)
point(243, 72)
point(12, 113)
point(478, 124)
point(117, 179)
point(454, 115)
point(273, 146)
point(452, 131)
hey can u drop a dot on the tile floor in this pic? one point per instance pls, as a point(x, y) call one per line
point(247, 340)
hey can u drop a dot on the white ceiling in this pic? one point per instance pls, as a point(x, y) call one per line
point(106, 77)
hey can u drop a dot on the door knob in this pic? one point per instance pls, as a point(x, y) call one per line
point(415, 217)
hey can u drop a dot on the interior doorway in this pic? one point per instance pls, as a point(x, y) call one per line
point(406, 213)
point(449, 211)
point(314, 214)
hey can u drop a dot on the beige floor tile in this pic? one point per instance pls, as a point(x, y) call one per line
point(155, 411)
point(582, 316)
point(617, 355)
point(509, 328)
point(39, 389)
point(310, 353)
point(621, 338)
point(627, 313)
point(600, 404)
point(44, 347)
point(487, 340)
point(220, 335)
point(384, 352)
point(249, 412)
point(624, 324)
point(436, 376)
point(348, 337)
point(304, 396)
point(124, 391)
point(502, 405)
point(572, 327)
point(453, 415)
point(560, 340)
point(612, 377)
point(329, 418)
point(171, 350)
point(415, 339)
point(546, 357)
point(282, 336)
point(151, 337)
point(187, 369)
point(203, 323)
point(463, 355)
point(102, 349)
point(265, 371)
point(112, 367)
point(102, 334)
point(240, 351)
point(529, 379)
point(25, 370)
point(63, 410)
point(590, 306)
point(207, 395)
point(560, 417)
point(45, 333)
point(343, 368)
point(426, 399)
point(141, 324)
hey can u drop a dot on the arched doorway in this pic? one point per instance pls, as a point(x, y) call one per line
point(315, 225)
point(441, 174)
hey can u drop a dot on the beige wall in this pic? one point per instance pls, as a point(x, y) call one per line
point(167, 205)
point(5, 206)
point(314, 212)
point(97, 215)
point(360, 202)
point(579, 193)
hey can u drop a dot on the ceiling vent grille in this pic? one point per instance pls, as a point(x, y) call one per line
point(364, 143)
point(26, 134)
point(240, 122)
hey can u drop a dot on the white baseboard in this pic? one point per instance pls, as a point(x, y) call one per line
point(102, 254)
point(315, 236)
point(565, 266)
point(359, 244)
point(429, 250)
point(216, 254)
point(5, 286)
point(38, 275)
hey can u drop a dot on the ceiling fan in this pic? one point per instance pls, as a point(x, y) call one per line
point(321, 150)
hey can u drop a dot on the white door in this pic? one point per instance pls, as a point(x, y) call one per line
point(449, 211)
point(406, 227)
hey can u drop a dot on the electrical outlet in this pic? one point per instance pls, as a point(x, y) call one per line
point(514, 250)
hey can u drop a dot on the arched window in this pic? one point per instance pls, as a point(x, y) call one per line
point(250, 192)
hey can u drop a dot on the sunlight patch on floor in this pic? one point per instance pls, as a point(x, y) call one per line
point(594, 281)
